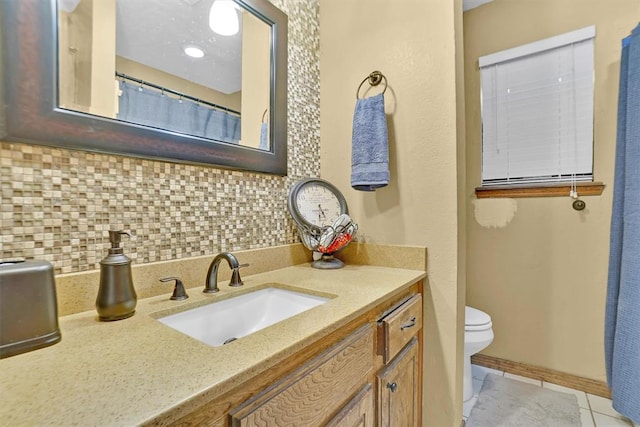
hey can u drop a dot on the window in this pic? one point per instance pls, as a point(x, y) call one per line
point(537, 111)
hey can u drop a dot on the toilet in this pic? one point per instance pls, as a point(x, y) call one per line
point(478, 334)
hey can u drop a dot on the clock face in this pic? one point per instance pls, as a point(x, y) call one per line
point(316, 202)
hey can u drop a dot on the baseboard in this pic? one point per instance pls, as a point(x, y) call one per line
point(599, 388)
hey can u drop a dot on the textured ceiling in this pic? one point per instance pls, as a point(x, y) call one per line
point(154, 33)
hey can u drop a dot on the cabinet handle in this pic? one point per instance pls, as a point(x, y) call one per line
point(392, 386)
point(410, 324)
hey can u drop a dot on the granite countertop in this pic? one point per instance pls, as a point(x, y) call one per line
point(138, 370)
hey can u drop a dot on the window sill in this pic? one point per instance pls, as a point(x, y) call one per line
point(549, 190)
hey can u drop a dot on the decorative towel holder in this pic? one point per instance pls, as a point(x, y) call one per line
point(375, 77)
point(264, 115)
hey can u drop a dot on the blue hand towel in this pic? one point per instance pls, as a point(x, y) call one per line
point(370, 147)
point(264, 137)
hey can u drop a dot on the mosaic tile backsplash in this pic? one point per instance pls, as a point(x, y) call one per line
point(57, 205)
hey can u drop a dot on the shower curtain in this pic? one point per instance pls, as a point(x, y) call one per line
point(150, 107)
point(622, 320)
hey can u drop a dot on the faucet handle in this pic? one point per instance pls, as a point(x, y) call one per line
point(179, 292)
point(235, 276)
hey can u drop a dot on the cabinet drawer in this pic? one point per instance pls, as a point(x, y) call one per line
point(312, 393)
point(397, 328)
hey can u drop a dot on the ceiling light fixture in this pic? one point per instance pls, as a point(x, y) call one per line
point(194, 51)
point(223, 18)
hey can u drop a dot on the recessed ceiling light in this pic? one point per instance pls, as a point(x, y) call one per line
point(194, 51)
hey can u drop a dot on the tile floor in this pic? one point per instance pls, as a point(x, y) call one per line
point(595, 411)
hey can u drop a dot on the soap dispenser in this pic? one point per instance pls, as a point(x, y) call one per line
point(116, 296)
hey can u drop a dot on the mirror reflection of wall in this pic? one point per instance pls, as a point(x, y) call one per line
point(87, 57)
point(147, 40)
point(255, 93)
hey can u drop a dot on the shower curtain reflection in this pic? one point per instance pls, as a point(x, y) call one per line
point(151, 107)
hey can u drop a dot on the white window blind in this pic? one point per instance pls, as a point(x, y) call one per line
point(537, 111)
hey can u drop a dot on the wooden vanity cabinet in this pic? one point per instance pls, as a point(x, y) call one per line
point(400, 381)
point(365, 374)
point(311, 394)
point(399, 389)
point(359, 412)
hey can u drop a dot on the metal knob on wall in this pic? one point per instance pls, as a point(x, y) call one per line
point(573, 193)
point(578, 205)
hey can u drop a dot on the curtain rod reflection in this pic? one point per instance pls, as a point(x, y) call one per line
point(174, 92)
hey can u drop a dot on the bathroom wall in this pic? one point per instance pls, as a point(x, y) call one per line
point(537, 266)
point(256, 41)
point(415, 45)
point(86, 82)
point(58, 204)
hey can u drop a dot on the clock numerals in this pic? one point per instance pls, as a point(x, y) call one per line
point(317, 202)
point(321, 213)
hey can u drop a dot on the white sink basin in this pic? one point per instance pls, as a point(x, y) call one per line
point(222, 322)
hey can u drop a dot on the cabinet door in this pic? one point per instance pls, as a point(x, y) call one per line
point(358, 412)
point(399, 389)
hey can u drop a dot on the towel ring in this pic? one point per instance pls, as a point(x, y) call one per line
point(264, 114)
point(374, 80)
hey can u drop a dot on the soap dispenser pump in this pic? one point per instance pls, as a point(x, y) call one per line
point(116, 296)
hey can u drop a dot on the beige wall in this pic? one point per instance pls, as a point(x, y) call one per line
point(537, 266)
point(74, 56)
point(87, 58)
point(461, 200)
point(414, 44)
point(256, 76)
point(103, 59)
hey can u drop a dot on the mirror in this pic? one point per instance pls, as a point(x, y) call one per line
point(79, 82)
point(178, 69)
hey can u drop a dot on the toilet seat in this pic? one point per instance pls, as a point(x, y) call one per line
point(476, 320)
point(478, 334)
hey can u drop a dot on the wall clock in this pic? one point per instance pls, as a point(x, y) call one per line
point(321, 214)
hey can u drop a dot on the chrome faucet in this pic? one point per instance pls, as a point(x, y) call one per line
point(211, 283)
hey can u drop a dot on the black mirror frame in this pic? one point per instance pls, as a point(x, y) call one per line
point(31, 112)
